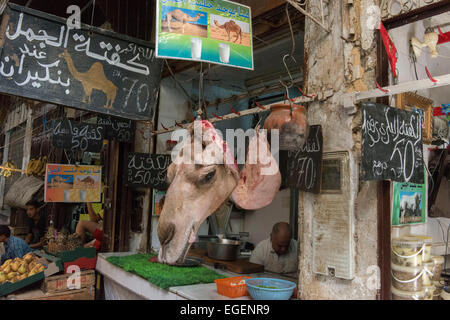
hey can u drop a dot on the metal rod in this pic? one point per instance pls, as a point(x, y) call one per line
point(401, 88)
point(306, 13)
point(234, 115)
point(86, 6)
point(251, 94)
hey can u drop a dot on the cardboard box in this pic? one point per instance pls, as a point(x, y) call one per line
point(69, 256)
point(53, 265)
point(85, 258)
point(82, 294)
point(62, 282)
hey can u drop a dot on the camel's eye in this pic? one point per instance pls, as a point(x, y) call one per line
point(209, 176)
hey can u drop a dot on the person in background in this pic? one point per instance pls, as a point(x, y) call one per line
point(14, 247)
point(279, 252)
point(93, 226)
point(37, 224)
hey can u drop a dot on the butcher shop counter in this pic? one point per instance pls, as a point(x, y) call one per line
point(122, 285)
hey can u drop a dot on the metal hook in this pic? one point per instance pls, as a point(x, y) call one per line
point(291, 54)
point(291, 83)
point(288, 98)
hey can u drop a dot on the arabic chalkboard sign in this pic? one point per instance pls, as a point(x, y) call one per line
point(147, 170)
point(303, 167)
point(100, 71)
point(73, 136)
point(391, 144)
point(116, 128)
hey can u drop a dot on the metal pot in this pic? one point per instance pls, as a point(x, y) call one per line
point(293, 128)
point(223, 249)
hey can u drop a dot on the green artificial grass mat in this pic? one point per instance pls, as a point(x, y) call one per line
point(162, 275)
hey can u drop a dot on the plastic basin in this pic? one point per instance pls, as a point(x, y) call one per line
point(270, 289)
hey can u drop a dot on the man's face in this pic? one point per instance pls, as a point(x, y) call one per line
point(3, 238)
point(280, 243)
point(31, 211)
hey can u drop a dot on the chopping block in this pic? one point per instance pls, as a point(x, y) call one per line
point(241, 266)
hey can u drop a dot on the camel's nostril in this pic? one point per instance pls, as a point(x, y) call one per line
point(166, 233)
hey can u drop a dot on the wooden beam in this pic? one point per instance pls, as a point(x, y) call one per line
point(5, 159)
point(384, 238)
point(259, 7)
point(417, 14)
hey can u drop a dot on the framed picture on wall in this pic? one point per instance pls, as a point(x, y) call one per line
point(409, 204)
point(413, 102)
point(158, 202)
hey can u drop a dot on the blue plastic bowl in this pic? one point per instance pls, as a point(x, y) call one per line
point(283, 292)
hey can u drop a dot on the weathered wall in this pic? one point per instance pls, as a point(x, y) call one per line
point(336, 66)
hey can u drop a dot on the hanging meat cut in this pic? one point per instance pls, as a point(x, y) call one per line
point(260, 179)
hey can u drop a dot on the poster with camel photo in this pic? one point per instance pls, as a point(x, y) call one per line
point(184, 21)
point(228, 30)
point(409, 204)
point(218, 31)
point(72, 184)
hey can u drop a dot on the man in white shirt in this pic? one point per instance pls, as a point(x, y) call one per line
point(278, 253)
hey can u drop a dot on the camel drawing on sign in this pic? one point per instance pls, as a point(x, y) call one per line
point(229, 27)
point(182, 17)
point(59, 179)
point(92, 79)
point(87, 180)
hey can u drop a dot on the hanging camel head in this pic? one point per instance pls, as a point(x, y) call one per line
point(201, 178)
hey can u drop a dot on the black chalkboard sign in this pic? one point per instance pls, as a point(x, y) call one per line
point(73, 136)
point(88, 68)
point(391, 144)
point(117, 128)
point(147, 170)
point(303, 167)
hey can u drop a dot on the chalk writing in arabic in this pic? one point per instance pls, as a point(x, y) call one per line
point(117, 128)
point(73, 136)
point(147, 171)
point(392, 144)
point(44, 58)
point(304, 166)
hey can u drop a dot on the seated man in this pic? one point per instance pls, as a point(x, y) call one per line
point(278, 253)
point(93, 226)
point(37, 224)
point(14, 247)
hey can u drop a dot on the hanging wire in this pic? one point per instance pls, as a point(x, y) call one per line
point(200, 91)
point(178, 83)
point(92, 16)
